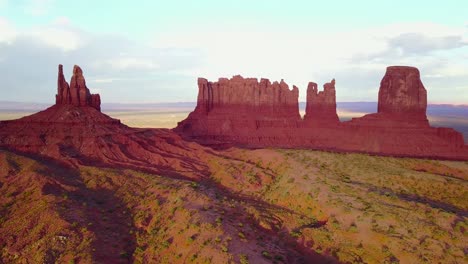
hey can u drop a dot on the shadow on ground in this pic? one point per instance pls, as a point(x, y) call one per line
point(98, 210)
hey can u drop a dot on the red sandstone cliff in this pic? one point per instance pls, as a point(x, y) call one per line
point(321, 106)
point(246, 95)
point(240, 106)
point(402, 92)
point(77, 93)
point(402, 100)
point(247, 113)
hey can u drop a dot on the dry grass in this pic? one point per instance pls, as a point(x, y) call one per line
point(258, 206)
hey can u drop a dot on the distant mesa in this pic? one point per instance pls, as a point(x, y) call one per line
point(244, 112)
point(77, 93)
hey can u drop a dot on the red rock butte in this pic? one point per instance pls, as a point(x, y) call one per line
point(74, 131)
point(247, 113)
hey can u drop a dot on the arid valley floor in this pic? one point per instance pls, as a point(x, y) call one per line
point(257, 206)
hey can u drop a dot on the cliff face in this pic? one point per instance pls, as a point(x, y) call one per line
point(402, 92)
point(77, 93)
point(402, 100)
point(321, 106)
point(238, 107)
point(240, 94)
point(249, 113)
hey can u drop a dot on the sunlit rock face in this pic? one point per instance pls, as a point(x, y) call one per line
point(77, 93)
point(245, 112)
point(402, 92)
point(321, 105)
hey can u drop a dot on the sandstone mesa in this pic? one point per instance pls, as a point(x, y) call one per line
point(248, 113)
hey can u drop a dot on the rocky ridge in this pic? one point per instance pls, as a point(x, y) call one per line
point(399, 128)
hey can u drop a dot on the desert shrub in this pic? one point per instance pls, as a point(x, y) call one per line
point(224, 248)
point(296, 234)
point(266, 254)
point(193, 257)
point(166, 244)
point(243, 259)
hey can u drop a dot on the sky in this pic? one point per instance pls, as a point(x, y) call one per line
point(153, 51)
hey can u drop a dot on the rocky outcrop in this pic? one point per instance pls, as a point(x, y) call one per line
point(73, 132)
point(230, 112)
point(63, 89)
point(247, 95)
point(402, 100)
point(240, 106)
point(321, 106)
point(402, 92)
point(77, 93)
point(245, 112)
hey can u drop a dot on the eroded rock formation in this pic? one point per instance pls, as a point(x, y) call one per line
point(321, 106)
point(239, 106)
point(234, 112)
point(77, 93)
point(73, 132)
point(402, 92)
point(244, 112)
point(246, 95)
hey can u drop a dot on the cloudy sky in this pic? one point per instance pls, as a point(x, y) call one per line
point(153, 51)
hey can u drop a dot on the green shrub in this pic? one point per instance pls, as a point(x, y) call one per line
point(243, 259)
point(266, 254)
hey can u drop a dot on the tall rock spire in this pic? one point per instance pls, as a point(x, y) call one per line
point(77, 93)
point(63, 90)
point(321, 106)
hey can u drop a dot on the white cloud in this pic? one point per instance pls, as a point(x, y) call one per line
point(124, 63)
point(8, 32)
point(129, 62)
point(58, 34)
point(359, 57)
point(107, 80)
point(62, 38)
point(122, 70)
